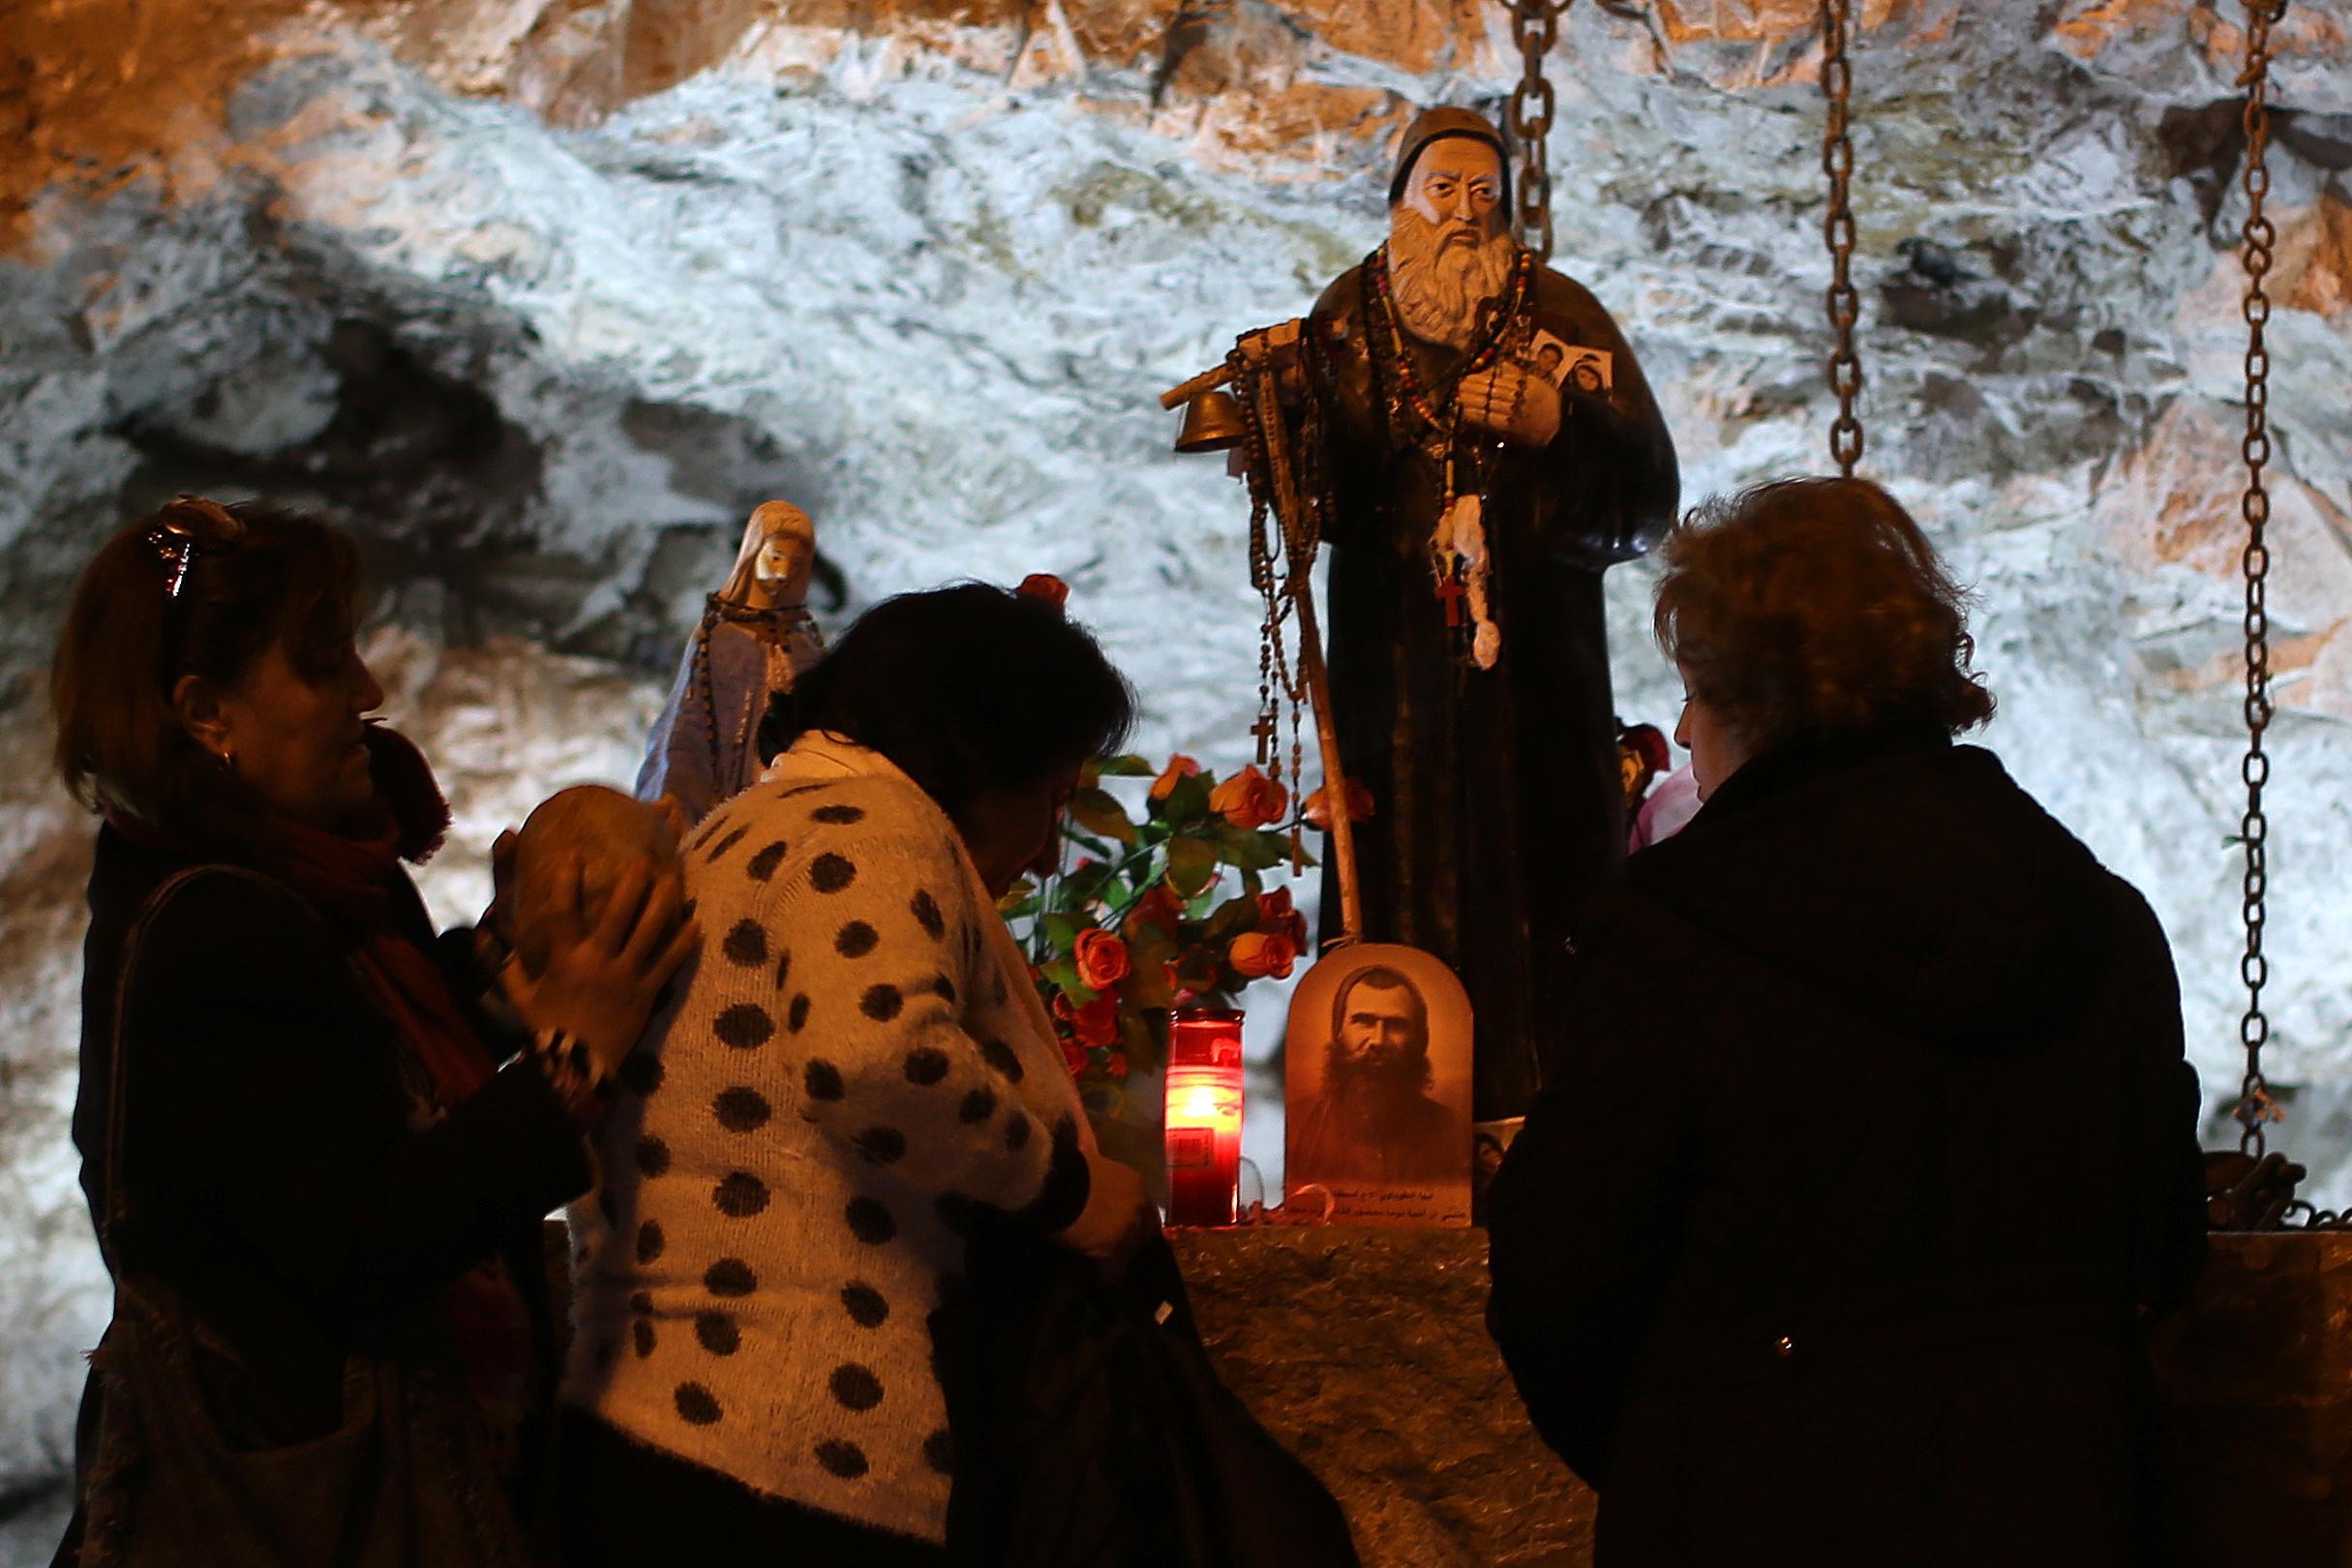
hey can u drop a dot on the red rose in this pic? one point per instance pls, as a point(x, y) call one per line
point(1317, 811)
point(1158, 907)
point(1095, 1024)
point(1257, 954)
point(1101, 960)
point(1179, 768)
point(1250, 800)
point(1047, 586)
point(1276, 917)
point(1074, 1057)
point(1116, 1067)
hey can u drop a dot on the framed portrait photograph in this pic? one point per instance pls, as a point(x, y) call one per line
point(1378, 1089)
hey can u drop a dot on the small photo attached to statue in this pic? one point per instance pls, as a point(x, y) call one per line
point(1378, 1054)
point(1564, 365)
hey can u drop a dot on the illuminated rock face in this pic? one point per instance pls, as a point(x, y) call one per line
point(542, 296)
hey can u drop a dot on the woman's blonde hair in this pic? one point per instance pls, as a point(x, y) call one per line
point(1813, 607)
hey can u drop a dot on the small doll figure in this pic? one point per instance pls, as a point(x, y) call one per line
point(754, 638)
point(1652, 814)
point(1641, 756)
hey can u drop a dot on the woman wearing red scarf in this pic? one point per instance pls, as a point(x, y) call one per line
point(320, 1175)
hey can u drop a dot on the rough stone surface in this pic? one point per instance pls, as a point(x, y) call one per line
point(541, 296)
point(1366, 1353)
point(2256, 1373)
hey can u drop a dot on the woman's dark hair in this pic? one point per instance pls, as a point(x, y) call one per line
point(1816, 606)
point(966, 689)
point(254, 576)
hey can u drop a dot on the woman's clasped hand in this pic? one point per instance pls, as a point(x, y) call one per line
point(606, 968)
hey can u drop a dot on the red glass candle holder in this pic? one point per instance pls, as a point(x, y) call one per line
point(1204, 1115)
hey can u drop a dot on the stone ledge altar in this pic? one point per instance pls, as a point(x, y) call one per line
point(1365, 1350)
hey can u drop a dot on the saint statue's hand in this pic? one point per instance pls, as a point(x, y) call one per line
point(1522, 409)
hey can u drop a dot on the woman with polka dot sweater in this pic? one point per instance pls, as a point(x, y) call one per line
point(857, 1068)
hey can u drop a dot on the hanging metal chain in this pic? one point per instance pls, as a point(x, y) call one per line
point(1535, 26)
point(1837, 227)
point(2255, 1107)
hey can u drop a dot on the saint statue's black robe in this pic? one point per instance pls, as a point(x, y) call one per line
point(1497, 807)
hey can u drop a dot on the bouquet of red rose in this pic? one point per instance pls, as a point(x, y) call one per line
point(1158, 907)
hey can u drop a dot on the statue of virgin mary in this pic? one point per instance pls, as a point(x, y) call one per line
point(754, 638)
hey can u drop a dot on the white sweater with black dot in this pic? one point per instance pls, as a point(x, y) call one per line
point(856, 1057)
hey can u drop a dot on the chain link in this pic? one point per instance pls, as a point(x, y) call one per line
point(1837, 228)
point(2256, 1109)
point(1535, 26)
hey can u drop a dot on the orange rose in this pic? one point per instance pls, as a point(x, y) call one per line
point(1158, 907)
point(1179, 768)
point(1101, 960)
point(1095, 1024)
point(1257, 954)
point(1047, 586)
point(1250, 800)
point(1276, 917)
point(1317, 811)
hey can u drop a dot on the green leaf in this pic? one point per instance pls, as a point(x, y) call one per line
point(1096, 811)
point(1253, 848)
point(1081, 887)
point(1127, 764)
point(1063, 974)
point(1147, 976)
point(1150, 945)
point(1191, 865)
point(1252, 883)
point(1230, 919)
point(1061, 930)
point(1188, 800)
point(1101, 849)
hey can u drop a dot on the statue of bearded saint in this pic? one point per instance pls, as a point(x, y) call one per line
point(1471, 507)
point(754, 640)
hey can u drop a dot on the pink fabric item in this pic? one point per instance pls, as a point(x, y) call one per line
point(1670, 805)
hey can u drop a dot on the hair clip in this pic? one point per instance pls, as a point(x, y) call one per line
point(182, 526)
point(1047, 587)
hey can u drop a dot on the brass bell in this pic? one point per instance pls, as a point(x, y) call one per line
point(1212, 423)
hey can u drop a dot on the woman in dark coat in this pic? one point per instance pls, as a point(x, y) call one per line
point(1871, 1151)
point(323, 1163)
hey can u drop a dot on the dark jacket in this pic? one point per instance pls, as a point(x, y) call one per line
point(275, 1181)
point(1869, 1149)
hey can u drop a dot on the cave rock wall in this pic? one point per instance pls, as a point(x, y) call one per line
point(541, 296)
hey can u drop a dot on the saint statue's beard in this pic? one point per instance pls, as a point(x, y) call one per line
point(1438, 288)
